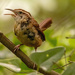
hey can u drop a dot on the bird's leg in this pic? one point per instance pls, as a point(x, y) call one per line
point(35, 49)
point(16, 48)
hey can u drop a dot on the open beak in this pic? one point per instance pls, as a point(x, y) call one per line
point(11, 14)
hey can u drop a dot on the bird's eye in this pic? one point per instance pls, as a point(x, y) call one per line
point(20, 12)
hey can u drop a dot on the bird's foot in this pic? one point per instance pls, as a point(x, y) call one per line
point(16, 48)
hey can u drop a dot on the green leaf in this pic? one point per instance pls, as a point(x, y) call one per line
point(13, 61)
point(11, 67)
point(70, 70)
point(45, 59)
point(17, 64)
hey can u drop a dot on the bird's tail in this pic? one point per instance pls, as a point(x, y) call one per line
point(45, 24)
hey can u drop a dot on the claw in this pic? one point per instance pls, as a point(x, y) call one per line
point(16, 48)
point(34, 66)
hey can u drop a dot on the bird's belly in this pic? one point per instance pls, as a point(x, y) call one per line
point(28, 37)
point(27, 41)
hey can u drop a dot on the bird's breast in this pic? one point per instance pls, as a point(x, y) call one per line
point(28, 35)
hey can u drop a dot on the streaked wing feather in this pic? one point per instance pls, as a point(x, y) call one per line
point(36, 25)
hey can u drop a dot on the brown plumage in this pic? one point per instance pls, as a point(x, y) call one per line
point(27, 30)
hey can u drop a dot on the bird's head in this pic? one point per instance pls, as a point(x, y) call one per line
point(19, 13)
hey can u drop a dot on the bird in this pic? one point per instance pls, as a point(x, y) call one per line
point(27, 29)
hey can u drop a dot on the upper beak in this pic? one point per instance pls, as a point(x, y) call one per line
point(12, 11)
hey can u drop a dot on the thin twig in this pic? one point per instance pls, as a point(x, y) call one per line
point(65, 58)
point(58, 66)
point(70, 37)
point(71, 52)
point(6, 42)
point(63, 65)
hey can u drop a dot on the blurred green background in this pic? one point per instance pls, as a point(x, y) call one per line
point(62, 13)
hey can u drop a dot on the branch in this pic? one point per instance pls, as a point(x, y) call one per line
point(6, 42)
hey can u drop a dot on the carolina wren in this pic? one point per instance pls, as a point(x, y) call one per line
point(27, 30)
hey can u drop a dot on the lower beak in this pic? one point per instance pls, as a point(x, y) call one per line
point(11, 15)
